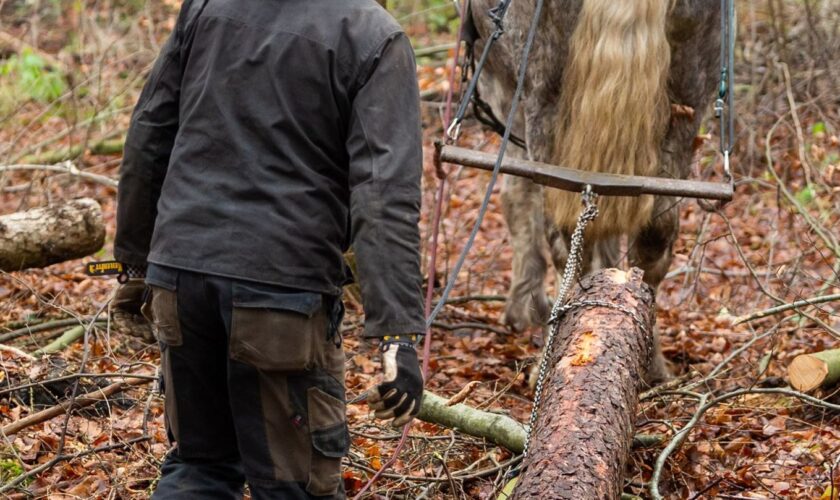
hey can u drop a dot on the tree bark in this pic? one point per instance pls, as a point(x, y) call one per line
point(44, 236)
point(500, 429)
point(585, 427)
point(811, 371)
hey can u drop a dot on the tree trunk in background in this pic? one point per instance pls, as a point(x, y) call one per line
point(44, 236)
point(585, 428)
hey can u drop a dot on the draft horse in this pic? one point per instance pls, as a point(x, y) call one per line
point(612, 86)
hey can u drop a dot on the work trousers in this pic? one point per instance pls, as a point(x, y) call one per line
point(253, 379)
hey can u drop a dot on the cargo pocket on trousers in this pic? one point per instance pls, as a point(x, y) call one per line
point(330, 441)
point(273, 329)
point(163, 313)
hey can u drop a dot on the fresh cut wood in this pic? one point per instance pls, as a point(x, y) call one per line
point(808, 372)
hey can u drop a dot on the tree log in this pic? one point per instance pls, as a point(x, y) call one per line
point(585, 427)
point(811, 371)
point(44, 236)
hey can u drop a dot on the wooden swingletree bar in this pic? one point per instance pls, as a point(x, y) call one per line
point(575, 180)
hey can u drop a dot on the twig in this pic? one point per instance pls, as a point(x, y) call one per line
point(67, 338)
point(667, 386)
point(82, 401)
point(475, 298)
point(16, 352)
point(786, 307)
point(74, 376)
point(433, 50)
point(797, 124)
point(463, 394)
point(66, 167)
point(470, 326)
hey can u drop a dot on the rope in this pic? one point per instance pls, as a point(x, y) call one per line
point(498, 15)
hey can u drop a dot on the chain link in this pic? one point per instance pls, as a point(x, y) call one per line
point(573, 267)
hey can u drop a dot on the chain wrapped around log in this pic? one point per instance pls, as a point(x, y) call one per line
point(570, 179)
point(584, 430)
point(45, 236)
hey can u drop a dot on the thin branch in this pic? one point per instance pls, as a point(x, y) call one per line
point(82, 401)
point(475, 298)
point(66, 167)
point(787, 307)
point(75, 376)
point(470, 326)
point(41, 327)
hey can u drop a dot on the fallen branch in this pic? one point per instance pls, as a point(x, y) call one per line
point(104, 148)
point(499, 429)
point(463, 394)
point(69, 337)
point(74, 376)
point(433, 50)
point(475, 298)
point(82, 401)
point(787, 307)
point(66, 167)
point(17, 352)
point(470, 326)
point(41, 327)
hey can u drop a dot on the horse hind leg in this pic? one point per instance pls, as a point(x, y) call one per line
point(522, 204)
point(651, 251)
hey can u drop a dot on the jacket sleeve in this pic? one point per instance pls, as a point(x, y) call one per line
point(148, 145)
point(384, 145)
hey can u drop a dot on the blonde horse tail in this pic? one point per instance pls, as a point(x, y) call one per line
point(613, 108)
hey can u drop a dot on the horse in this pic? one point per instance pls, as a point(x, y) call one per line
point(612, 86)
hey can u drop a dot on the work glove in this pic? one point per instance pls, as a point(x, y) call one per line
point(126, 313)
point(399, 394)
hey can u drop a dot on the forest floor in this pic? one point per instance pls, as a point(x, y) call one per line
point(776, 243)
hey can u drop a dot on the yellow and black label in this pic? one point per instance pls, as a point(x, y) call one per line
point(108, 268)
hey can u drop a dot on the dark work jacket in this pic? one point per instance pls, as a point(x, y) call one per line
point(271, 135)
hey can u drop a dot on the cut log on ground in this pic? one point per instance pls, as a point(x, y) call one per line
point(44, 236)
point(811, 371)
point(585, 427)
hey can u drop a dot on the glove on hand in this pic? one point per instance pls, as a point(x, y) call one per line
point(401, 391)
point(127, 315)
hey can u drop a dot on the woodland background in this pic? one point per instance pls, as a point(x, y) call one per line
point(70, 72)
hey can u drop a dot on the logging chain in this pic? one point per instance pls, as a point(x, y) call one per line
point(573, 265)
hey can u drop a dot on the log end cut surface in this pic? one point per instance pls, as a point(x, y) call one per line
point(807, 372)
point(585, 426)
